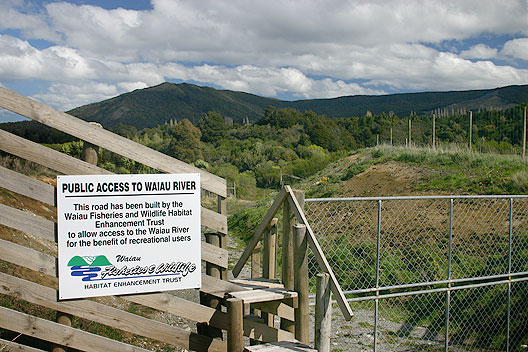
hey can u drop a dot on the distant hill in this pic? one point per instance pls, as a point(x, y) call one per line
point(156, 105)
point(152, 106)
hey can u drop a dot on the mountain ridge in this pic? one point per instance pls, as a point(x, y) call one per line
point(156, 105)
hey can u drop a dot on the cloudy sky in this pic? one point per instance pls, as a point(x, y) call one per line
point(70, 53)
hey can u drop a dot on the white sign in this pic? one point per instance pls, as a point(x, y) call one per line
point(121, 234)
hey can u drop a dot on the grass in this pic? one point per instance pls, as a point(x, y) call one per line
point(461, 171)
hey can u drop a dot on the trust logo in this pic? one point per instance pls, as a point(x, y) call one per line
point(88, 267)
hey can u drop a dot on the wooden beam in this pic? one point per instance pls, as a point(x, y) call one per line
point(66, 164)
point(319, 255)
point(45, 156)
point(60, 334)
point(259, 232)
point(103, 314)
point(218, 287)
point(27, 186)
point(300, 269)
point(27, 222)
point(214, 255)
point(28, 258)
point(13, 346)
point(83, 130)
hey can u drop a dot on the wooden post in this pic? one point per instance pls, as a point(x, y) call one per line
point(89, 152)
point(524, 134)
point(391, 136)
point(219, 240)
point(255, 262)
point(323, 313)
point(287, 250)
point(235, 327)
point(302, 314)
point(434, 132)
point(470, 127)
point(222, 209)
point(269, 266)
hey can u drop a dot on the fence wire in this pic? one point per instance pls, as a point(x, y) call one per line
point(430, 273)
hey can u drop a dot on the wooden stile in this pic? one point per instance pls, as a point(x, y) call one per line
point(319, 255)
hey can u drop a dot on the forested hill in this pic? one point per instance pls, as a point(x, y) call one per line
point(156, 105)
point(153, 106)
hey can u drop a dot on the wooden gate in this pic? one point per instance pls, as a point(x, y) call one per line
point(28, 272)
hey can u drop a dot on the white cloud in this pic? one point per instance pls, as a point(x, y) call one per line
point(266, 81)
point(479, 51)
point(67, 96)
point(516, 48)
point(262, 47)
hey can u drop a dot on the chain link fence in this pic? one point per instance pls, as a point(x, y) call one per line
point(429, 273)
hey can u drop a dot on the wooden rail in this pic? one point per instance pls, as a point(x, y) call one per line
point(68, 165)
point(83, 130)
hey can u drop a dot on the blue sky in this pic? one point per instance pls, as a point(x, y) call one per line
point(70, 53)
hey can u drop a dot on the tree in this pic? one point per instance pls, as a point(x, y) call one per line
point(185, 142)
point(213, 127)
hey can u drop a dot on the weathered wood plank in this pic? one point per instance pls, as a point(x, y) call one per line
point(44, 296)
point(28, 258)
point(60, 334)
point(281, 346)
point(214, 255)
point(40, 262)
point(319, 255)
point(263, 295)
point(218, 287)
point(113, 317)
point(45, 156)
point(278, 308)
point(27, 186)
point(27, 222)
point(181, 307)
point(83, 130)
point(259, 232)
point(213, 220)
point(258, 282)
point(13, 346)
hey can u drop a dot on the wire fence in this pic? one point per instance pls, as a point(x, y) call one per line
point(429, 273)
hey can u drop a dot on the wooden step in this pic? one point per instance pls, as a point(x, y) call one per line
point(281, 346)
point(264, 295)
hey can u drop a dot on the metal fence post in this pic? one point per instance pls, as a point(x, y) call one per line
point(510, 238)
point(376, 303)
point(449, 256)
